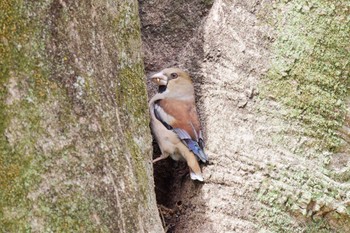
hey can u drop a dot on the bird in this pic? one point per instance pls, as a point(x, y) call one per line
point(175, 122)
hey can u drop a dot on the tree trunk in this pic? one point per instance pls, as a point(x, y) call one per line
point(75, 145)
point(272, 84)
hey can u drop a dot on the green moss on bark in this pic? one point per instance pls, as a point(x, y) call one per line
point(310, 68)
point(19, 164)
point(70, 87)
point(309, 76)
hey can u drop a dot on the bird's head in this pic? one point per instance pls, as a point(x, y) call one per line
point(173, 79)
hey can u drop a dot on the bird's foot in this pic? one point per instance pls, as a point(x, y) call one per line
point(160, 158)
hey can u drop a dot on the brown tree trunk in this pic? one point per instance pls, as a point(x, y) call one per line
point(272, 81)
point(75, 145)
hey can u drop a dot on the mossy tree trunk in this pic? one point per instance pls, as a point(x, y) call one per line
point(272, 84)
point(74, 136)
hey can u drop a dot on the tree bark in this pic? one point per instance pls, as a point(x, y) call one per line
point(272, 81)
point(75, 145)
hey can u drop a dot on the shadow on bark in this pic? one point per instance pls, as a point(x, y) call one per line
point(172, 35)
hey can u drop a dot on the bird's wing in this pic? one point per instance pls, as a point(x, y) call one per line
point(182, 118)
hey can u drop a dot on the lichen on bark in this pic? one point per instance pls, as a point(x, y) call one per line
point(273, 103)
point(310, 68)
point(309, 77)
point(75, 142)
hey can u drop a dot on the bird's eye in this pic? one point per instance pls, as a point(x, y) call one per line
point(173, 75)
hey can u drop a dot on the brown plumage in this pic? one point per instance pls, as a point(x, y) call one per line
point(174, 120)
point(182, 118)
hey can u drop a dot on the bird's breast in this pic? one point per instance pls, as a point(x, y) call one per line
point(166, 139)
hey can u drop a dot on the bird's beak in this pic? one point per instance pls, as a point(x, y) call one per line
point(159, 78)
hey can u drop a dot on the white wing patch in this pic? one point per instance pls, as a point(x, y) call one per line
point(163, 115)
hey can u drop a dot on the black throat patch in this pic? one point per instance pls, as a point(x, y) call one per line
point(162, 88)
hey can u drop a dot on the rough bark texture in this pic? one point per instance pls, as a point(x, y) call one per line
point(272, 81)
point(74, 139)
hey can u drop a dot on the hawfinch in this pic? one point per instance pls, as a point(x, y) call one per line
point(174, 120)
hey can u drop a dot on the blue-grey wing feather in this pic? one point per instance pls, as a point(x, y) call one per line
point(193, 145)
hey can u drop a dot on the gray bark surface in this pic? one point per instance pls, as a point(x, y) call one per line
point(75, 144)
point(272, 81)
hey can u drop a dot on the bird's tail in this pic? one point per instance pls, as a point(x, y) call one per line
point(196, 173)
point(195, 148)
point(195, 176)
